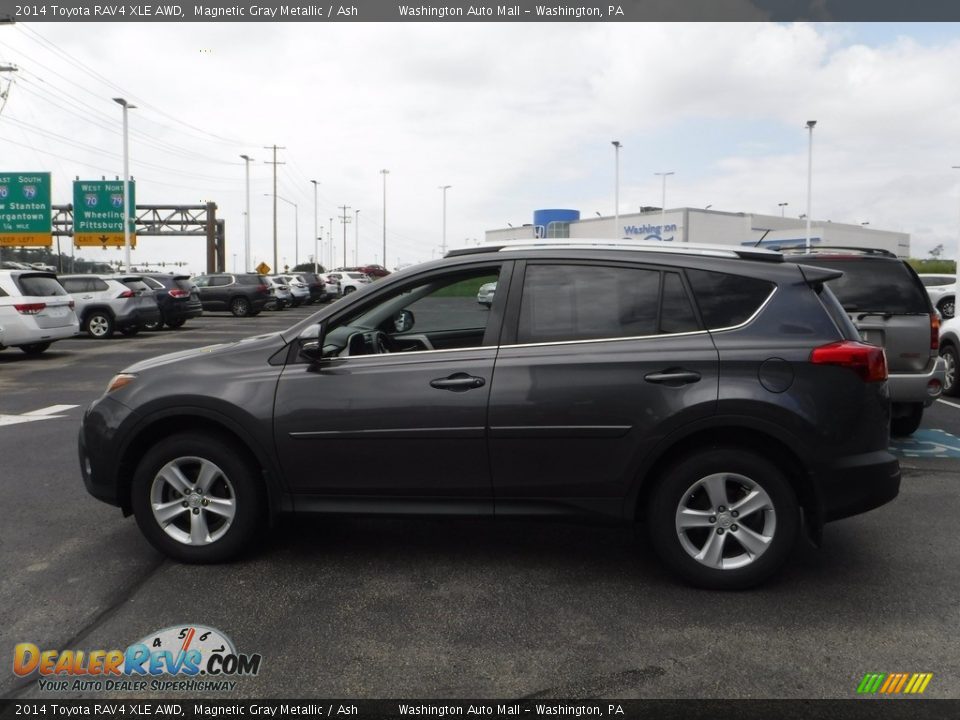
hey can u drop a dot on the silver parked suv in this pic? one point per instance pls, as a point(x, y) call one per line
point(888, 303)
point(112, 302)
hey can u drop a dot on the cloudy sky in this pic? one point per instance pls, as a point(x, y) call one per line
point(514, 117)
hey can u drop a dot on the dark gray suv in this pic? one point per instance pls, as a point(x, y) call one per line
point(719, 396)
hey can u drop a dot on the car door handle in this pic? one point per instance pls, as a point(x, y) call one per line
point(673, 377)
point(458, 383)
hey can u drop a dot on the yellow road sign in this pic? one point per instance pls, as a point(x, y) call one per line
point(263, 268)
point(104, 240)
point(16, 239)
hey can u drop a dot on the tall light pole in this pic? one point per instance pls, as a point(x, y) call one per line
point(330, 237)
point(316, 234)
point(246, 218)
point(356, 237)
point(810, 125)
point(663, 202)
point(384, 173)
point(126, 183)
point(444, 189)
point(616, 187)
point(782, 206)
point(296, 229)
point(956, 256)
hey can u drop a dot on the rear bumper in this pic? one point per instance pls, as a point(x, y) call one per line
point(139, 318)
point(856, 484)
point(913, 387)
point(182, 311)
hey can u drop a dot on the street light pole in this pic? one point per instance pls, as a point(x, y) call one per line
point(444, 189)
point(316, 234)
point(663, 202)
point(616, 187)
point(330, 237)
point(126, 183)
point(356, 237)
point(810, 125)
point(782, 206)
point(246, 218)
point(384, 173)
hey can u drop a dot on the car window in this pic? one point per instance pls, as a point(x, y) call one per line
point(727, 300)
point(583, 302)
point(356, 276)
point(136, 285)
point(870, 285)
point(40, 286)
point(220, 280)
point(73, 285)
point(201, 281)
point(155, 284)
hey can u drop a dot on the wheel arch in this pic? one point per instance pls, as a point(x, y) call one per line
point(768, 445)
point(176, 421)
point(91, 309)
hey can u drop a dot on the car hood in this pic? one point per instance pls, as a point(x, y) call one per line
point(270, 343)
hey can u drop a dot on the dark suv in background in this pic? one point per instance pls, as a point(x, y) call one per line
point(721, 397)
point(243, 294)
point(178, 298)
point(888, 303)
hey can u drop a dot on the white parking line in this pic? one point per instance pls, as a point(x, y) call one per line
point(47, 413)
point(52, 410)
point(947, 402)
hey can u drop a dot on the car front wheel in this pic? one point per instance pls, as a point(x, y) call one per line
point(947, 308)
point(35, 348)
point(100, 325)
point(196, 498)
point(723, 518)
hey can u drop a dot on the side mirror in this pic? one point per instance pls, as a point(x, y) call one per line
point(403, 321)
point(311, 342)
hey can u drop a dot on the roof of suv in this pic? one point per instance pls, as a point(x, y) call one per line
point(704, 249)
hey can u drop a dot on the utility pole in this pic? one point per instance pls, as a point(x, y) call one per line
point(316, 233)
point(356, 237)
point(127, 214)
point(330, 237)
point(345, 219)
point(384, 173)
point(274, 163)
point(444, 189)
point(246, 220)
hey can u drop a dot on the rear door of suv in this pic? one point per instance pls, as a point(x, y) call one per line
point(599, 360)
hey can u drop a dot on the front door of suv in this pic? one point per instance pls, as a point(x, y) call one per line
point(362, 424)
point(598, 362)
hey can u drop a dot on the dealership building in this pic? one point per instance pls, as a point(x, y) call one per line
point(703, 226)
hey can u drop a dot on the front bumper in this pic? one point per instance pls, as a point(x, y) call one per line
point(856, 484)
point(914, 387)
point(99, 461)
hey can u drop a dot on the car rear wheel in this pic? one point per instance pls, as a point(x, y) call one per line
point(906, 418)
point(196, 498)
point(99, 325)
point(947, 307)
point(153, 325)
point(176, 323)
point(949, 355)
point(348, 290)
point(240, 307)
point(35, 348)
point(723, 518)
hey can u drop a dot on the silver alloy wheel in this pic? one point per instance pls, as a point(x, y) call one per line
point(725, 521)
point(950, 370)
point(193, 501)
point(98, 325)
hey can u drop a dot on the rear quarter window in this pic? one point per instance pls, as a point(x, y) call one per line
point(727, 300)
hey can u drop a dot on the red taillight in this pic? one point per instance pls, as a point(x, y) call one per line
point(934, 331)
point(868, 361)
point(263, 289)
point(176, 293)
point(126, 294)
point(30, 308)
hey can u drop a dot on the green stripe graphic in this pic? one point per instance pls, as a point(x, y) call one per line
point(871, 683)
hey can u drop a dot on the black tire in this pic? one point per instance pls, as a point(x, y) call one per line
point(35, 348)
point(99, 325)
point(153, 326)
point(236, 483)
point(775, 520)
point(947, 307)
point(906, 419)
point(131, 330)
point(347, 291)
point(240, 307)
point(949, 354)
point(176, 323)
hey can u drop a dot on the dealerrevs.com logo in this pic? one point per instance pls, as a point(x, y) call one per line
point(185, 658)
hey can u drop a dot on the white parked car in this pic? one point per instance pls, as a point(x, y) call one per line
point(942, 289)
point(298, 289)
point(280, 295)
point(350, 281)
point(950, 352)
point(35, 311)
point(485, 293)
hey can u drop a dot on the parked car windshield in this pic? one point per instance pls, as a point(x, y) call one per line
point(883, 286)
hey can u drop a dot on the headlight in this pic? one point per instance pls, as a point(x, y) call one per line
point(119, 381)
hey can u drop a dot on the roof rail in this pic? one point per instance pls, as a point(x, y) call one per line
point(833, 250)
point(679, 248)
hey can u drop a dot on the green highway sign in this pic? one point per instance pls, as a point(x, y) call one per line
point(25, 214)
point(98, 213)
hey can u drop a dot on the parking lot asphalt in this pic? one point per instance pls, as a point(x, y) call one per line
point(364, 608)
